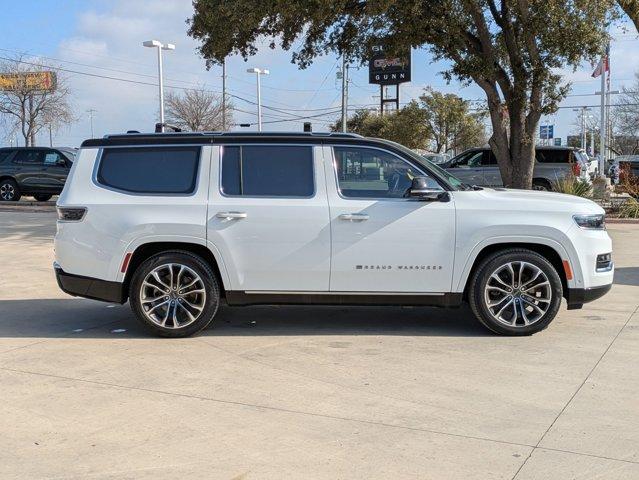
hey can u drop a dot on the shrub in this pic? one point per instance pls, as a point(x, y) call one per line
point(573, 186)
point(630, 209)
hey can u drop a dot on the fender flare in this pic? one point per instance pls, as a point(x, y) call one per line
point(461, 280)
point(116, 263)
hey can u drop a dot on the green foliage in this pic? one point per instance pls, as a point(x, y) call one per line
point(407, 126)
point(629, 209)
point(631, 8)
point(573, 186)
point(450, 123)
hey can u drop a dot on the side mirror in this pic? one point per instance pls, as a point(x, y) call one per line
point(60, 161)
point(420, 190)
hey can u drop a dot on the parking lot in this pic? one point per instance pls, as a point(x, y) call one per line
point(301, 392)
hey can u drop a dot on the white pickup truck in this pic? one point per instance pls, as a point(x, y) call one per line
point(176, 223)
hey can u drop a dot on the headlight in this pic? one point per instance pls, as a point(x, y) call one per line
point(591, 222)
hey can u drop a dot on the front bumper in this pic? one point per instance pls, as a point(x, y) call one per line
point(88, 287)
point(576, 297)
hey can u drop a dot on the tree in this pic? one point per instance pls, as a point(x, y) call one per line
point(631, 8)
point(28, 108)
point(197, 110)
point(407, 126)
point(509, 48)
point(450, 123)
point(627, 116)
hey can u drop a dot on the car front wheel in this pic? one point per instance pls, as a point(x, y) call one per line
point(174, 294)
point(515, 292)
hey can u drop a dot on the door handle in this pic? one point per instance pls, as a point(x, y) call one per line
point(231, 215)
point(354, 217)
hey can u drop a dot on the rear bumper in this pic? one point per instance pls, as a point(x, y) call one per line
point(88, 287)
point(578, 296)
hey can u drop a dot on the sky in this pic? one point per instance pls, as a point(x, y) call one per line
point(92, 39)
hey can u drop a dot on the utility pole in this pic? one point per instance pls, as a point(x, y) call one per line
point(344, 93)
point(91, 111)
point(50, 136)
point(224, 95)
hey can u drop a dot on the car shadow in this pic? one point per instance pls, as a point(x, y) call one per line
point(59, 318)
point(626, 276)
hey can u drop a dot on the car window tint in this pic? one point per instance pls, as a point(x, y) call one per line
point(5, 154)
point(32, 157)
point(267, 171)
point(51, 158)
point(553, 156)
point(473, 159)
point(160, 170)
point(373, 173)
point(490, 159)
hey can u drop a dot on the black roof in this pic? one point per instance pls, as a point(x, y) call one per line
point(212, 137)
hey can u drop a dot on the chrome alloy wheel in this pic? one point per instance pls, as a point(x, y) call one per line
point(518, 294)
point(172, 296)
point(7, 192)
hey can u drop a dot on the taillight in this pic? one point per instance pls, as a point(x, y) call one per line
point(576, 169)
point(71, 214)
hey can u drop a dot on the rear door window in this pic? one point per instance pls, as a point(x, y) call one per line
point(151, 170)
point(267, 171)
point(30, 157)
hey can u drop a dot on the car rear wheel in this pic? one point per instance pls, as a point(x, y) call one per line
point(541, 185)
point(42, 197)
point(515, 292)
point(9, 191)
point(174, 294)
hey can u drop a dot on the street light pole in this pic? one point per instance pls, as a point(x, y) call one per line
point(258, 72)
point(160, 46)
point(91, 111)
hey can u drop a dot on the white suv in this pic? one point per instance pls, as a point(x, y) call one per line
point(176, 223)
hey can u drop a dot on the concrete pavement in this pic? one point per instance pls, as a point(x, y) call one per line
point(299, 392)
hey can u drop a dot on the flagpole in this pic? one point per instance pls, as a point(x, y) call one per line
point(602, 122)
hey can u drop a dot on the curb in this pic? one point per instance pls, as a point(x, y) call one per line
point(631, 221)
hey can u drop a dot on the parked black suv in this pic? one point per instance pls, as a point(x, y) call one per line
point(37, 171)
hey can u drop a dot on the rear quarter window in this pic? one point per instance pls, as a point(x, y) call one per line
point(554, 156)
point(4, 154)
point(150, 170)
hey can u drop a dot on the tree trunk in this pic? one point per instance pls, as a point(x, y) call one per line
point(631, 7)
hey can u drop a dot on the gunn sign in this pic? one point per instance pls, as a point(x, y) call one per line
point(383, 70)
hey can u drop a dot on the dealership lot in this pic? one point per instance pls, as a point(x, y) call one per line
point(310, 392)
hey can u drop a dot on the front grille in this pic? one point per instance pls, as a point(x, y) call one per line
point(604, 262)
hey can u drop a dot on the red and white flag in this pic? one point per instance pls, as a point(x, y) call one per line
point(603, 65)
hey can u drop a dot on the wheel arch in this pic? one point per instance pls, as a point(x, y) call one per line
point(543, 181)
point(148, 249)
point(552, 253)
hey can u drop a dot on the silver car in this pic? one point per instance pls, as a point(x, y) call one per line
point(478, 166)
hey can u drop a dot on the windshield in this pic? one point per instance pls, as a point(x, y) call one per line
point(69, 153)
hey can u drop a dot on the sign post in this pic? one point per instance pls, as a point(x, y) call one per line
point(546, 132)
point(384, 70)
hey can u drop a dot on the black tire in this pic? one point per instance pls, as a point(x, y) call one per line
point(492, 263)
point(9, 190)
point(42, 197)
point(179, 258)
point(541, 185)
